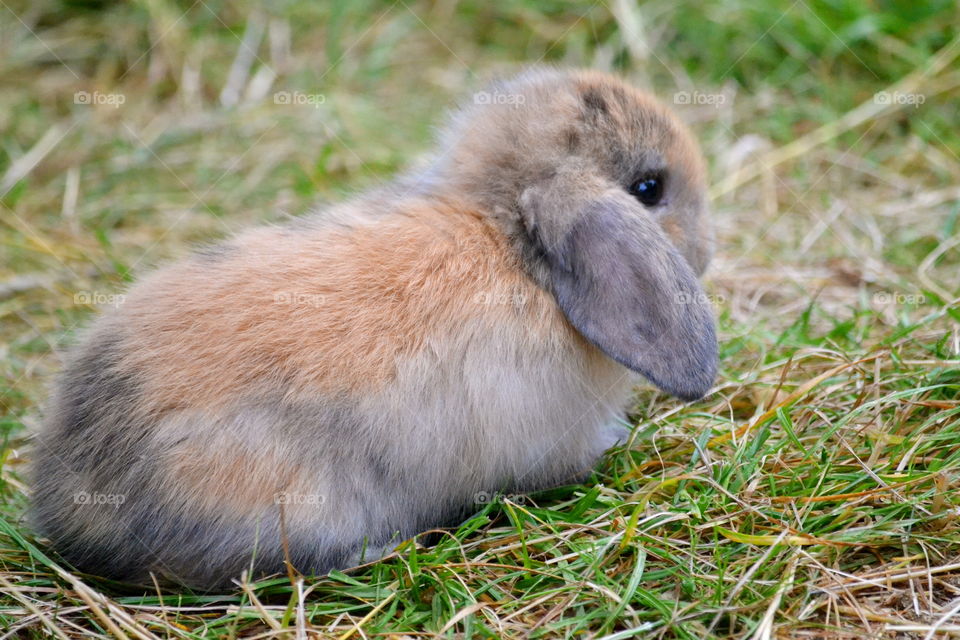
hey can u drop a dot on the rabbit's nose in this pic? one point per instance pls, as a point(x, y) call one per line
point(694, 250)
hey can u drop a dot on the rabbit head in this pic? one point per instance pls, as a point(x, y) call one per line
point(602, 192)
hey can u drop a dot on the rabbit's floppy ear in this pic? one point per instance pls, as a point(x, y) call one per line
point(622, 284)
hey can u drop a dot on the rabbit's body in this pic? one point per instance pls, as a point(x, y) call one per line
point(362, 374)
point(224, 391)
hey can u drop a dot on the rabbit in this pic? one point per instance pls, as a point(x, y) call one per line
point(307, 395)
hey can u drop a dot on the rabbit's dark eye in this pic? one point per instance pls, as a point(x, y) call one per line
point(648, 190)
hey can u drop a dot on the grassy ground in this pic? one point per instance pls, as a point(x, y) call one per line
point(813, 494)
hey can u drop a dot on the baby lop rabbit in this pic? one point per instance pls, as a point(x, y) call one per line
point(362, 374)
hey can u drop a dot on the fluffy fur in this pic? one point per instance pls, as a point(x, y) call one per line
point(364, 373)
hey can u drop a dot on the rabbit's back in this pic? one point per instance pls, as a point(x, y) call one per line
point(316, 306)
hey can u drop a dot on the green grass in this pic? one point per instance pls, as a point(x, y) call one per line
point(815, 493)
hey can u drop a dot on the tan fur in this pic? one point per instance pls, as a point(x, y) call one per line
point(327, 313)
point(229, 478)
